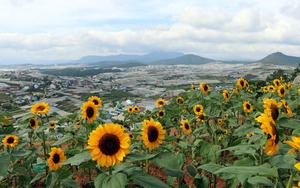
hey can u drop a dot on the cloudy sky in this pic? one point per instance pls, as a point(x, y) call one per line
point(217, 29)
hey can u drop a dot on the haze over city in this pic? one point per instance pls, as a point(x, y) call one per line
point(34, 30)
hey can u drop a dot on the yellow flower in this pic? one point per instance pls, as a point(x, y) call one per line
point(265, 89)
point(297, 165)
point(186, 126)
point(184, 110)
point(198, 109)
point(247, 106)
point(33, 123)
point(193, 87)
point(226, 116)
point(10, 140)
point(130, 109)
point(267, 123)
point(5, 117)
point(271, 88)
point(281, 78)
point(225, 131)
point(77, 125)
point(295, 144)
point(241, 83)
point(96, 100)
point(287, 108)
point(201, 117)
point(160, 103)
point(89, 111)
point(108, 144)
point(220, 121)
point(276, 82)
point(160, 113)
point(179, 100)
point(57, 156)
point(40, 108)
point(52, 124)
point(271, 145)
point(281, 91)
point(226, 95)
point(152, 133)
point(272, 108)
point(204, 88)
point(136, 109)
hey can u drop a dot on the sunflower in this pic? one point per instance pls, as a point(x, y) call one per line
point(272, 108)
point(10, 140)
point(77, 125)
point(265, 89)
point(276, 82)
point(226, 116)
point(160, 113)
point(198, 109)
point(247, 106)
point(271, 145)
point(193, 87)
point(108, 144)
point(136, 109)
point(297, 166)
point(131, 136)
point(281, 91)
point(271, 88)
point(287, 108)
point(225, 131)
point(152, 133)
point(235, 90)
point(160, 103)
point(241, 83)
point(179, 100)
point(186, 126)
point(89, 111)
point(295, 144)
point(57, 156)
point(220, 121)
point(201, 117)
point(40, 108)
point(267, 123)
point(96, 100)
point(184, 110)
point(247, 84)
point(33, 123)
point(281, 78)
point(130, 109)
point(5, 117)
point(204, 88)
point(52, 124)
point(226, 95)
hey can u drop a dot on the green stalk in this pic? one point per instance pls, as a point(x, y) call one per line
point(290, 182)
point(110, 170)
point(261, 159)
point(147, 164)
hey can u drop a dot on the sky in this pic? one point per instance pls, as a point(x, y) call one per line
point(33, 30)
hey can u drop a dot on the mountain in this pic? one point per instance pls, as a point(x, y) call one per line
point(279, 58)
point(153, 56)
point(188, 59)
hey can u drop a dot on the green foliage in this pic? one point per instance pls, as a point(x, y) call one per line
point(77, 72)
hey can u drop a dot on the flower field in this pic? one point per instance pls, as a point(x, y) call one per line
point(246, 136)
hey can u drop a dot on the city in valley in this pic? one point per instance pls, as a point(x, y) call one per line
point(118, 87)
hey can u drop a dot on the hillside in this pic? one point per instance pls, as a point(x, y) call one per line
point(279, 58)
point(188, 59)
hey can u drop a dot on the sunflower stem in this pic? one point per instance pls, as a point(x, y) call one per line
point(261, 159)
point(110, 170)
point(290, 182)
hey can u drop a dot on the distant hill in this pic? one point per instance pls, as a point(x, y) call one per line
point(188, 59)
point(131, 64)
point(279, 58)
point(153, 56)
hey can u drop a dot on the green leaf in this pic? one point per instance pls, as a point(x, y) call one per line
point(212, 168)
point(4, 163)
point(78, 158)
point(146, 180)
point(258, 180)
point(191, 170)
point(279, 162)
point(65, 138)
point(263, 170)
point(242, 149)
point(288, 123)
point(20, 153)
point(51, 179)
point(133, 157)
point(111, 181)
point(170, 163)
point(37, 177)
point(69, 182)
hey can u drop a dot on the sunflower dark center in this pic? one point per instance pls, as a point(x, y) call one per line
point(274, 132)
point(180, 101)
point(56, 158)
point(186, 126)
point(130, 109)
point(242, 83)
point(282, 91)
point(226, 94)
point(152, 134)
point(95, 102)
point(198, 109)
point(201, 117)
point(109, 144)
point(205, 87)
point(10, 140)
point(136, 109)
point(90, 112)
point(248, 106)
point(40, 108)
point(161, 113)
point(161, 103)
point(274, 112)
point(52, 125)
point(32, 122)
